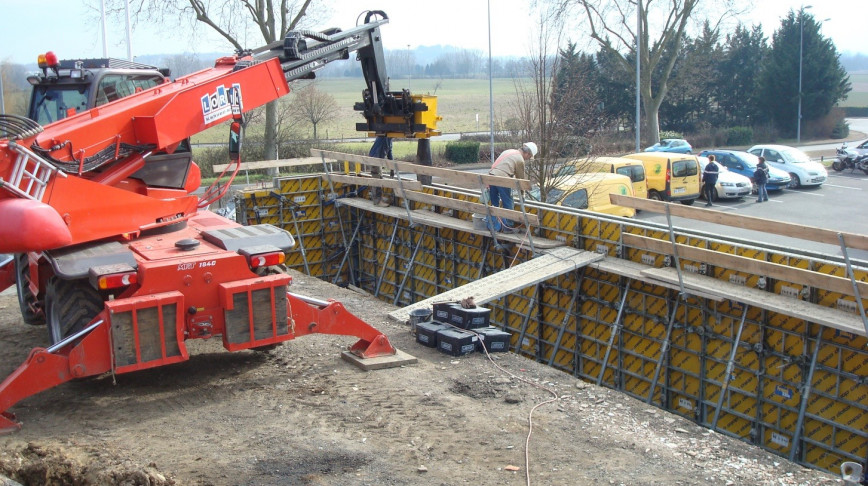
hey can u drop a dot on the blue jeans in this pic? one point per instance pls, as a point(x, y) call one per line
point(500, 196)
point(762, 194)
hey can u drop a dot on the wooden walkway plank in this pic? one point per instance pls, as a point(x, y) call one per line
point(789, 306)
point(749, 265)
point(820, 235)
point(545, 266)
point(442, 221)
point(454, 176)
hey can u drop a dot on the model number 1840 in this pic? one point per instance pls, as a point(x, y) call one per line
point(182, 267)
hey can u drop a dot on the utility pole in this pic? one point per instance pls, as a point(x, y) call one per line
point(638, 66)
point(801, 43)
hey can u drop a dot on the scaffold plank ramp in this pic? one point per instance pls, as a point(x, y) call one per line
point(547, 265)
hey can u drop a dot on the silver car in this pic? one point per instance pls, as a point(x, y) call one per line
point(802, 170)
point(729, 184)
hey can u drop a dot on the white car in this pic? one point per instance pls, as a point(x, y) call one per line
point(803, 171)
point(729, 184)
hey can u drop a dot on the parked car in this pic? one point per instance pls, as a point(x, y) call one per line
point(802, 170)
point(631, 168)
point(676, 145)
point(862, 148)
point(745, 164)
point(590, 191)
point(729, 184)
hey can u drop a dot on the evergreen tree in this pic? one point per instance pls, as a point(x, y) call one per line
point(737, 77)
point(824, 80)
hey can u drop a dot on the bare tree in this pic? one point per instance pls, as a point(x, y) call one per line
point(314, 106)
point(555, 108)
point(613, 25)
point(231, 20)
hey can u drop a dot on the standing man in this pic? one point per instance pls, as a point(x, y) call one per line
point(509, 164)
point(761, 177)
point(709, 179)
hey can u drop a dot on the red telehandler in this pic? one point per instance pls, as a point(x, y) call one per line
point(111, 249)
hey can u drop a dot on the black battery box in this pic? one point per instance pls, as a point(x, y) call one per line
point(441, 311)
point(496, 341)
point(426, 333)
point(456, 342)
point(472, 318)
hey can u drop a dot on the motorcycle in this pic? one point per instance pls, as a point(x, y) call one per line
point(847, 158)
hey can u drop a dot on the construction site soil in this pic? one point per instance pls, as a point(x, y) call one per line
point(299, 415)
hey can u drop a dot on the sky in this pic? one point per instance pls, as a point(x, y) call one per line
point(68, 27)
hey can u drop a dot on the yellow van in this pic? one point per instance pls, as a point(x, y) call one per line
point(670, 176)
point(631, 168)
point(591, 191)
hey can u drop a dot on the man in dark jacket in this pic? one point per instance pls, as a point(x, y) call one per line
point(761, 177)
point(709, 179)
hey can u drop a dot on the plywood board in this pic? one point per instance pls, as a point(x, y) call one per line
point(766, 300)
point(544, 267)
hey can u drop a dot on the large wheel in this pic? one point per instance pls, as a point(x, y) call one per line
point(69, 306)
point(795, 183)
point(688, 202)
point(654, 196)
point(838, 166)
point(31, 306)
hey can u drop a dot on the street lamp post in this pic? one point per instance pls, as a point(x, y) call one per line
point(801, 43)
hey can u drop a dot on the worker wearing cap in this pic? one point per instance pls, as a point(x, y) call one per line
point(510, 163)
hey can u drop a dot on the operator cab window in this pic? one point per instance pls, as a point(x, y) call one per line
point(113, 87)
point(56, 102)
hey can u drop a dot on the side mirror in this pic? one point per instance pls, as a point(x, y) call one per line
point(235, 142)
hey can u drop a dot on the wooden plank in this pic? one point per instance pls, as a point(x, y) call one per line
point(749, 265)
point(633, 270)
point(789, 306)
point(544, 267)
point(431, 218)
point(457, 177)
point(811, 233)
point(270, 164)
point(407, 185)
point(472, 207)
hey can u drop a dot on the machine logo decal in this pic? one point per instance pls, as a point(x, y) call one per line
point(222, 102)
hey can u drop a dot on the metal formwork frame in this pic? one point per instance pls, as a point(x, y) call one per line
point(616, 330)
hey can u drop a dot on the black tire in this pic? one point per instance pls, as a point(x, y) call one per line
point(838, 166)
point(69, 306)
point(31, 306)
point(654, 196)
point(688, 202)
point(795, 183)
point(865, 171)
